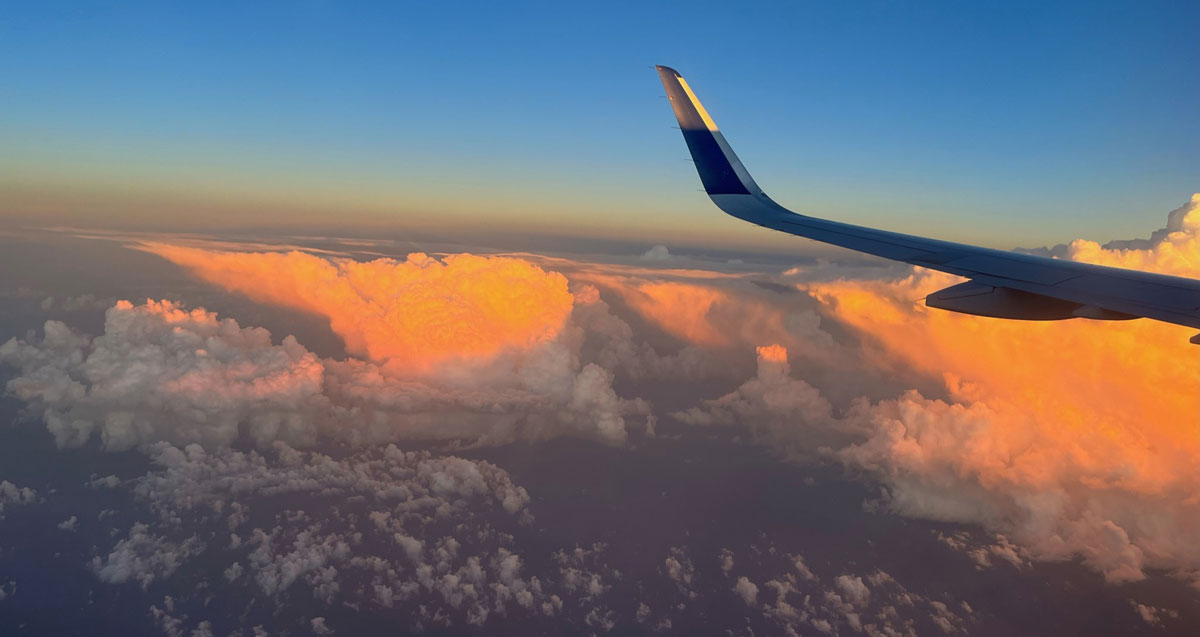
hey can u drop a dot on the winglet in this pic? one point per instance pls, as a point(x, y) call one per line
point(720, 170)
point(688, 109)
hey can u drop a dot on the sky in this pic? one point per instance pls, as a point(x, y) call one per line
point(1014, 124)
point(331, 318)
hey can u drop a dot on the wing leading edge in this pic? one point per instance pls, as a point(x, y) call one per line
point(1002, 284)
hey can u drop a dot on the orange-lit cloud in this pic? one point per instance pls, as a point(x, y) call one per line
point(1077, 438)
point(1133, 383)
point(416, 313)
point(710, 312)
point(1073, 438)
point(682, 309)
point(773, 353)
point(1084, 431)
point(1173, 250)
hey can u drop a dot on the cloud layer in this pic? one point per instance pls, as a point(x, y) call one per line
point(1071, 440)
point(408, 534)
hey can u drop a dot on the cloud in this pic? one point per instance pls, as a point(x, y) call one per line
point(418, 314)
point(1002, 550)
point(726, 558)
point(1055, 491)
point(802, 569)
point(404, 487)
point(142, 556)
point(747, 590)
point(319, 627)
point(853, 589)
point(709, 319)
point(1152, 614)
point(547, 394)
point(12, 495)
point(380, 529)
point(657, 253)
point(799, 605)
point(75, 303)
point(699, 313)
point(486, 349)
point(945, 618)
point(611, 342)
point(773, 405)
point(1169, 250)
point(679, 568)
point(1072, 438)
point(160, 372)
point(1041, 435)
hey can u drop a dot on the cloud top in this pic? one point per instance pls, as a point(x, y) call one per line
point(417, 313)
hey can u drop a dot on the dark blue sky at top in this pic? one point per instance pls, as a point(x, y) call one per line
point(1072, 118)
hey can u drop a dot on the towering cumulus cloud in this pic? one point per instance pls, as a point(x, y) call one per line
point(465, 347)
point(1078, 437)
point(1174, 249)
point(416, 313)
point(163, 373)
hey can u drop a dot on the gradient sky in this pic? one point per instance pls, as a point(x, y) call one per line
point(998, 123)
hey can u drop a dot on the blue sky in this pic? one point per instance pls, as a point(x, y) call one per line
point(998, 123)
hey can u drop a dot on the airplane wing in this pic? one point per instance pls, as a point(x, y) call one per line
point(1002, 284)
